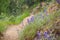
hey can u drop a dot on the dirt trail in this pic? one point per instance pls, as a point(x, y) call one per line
point(12, 33)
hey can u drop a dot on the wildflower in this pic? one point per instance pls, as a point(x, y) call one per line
point(39, 35)
point(46, 33)
point(32, 19)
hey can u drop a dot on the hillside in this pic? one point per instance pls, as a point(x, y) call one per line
point(29, 20)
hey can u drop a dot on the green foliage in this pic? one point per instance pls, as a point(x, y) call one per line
point(3, 5)
point(11, 7)
point(21, 17)
point(14, 7)
point(2, 28)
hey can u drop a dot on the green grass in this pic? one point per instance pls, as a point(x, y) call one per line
point(7, 21)
point(3, 25)
point(21, 17)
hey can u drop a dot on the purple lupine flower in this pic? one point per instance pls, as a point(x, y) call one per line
point(38, 35)
point(32, 19)
point(46, 34)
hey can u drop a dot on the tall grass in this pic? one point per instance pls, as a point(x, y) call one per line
point(21, 17)
point(30, 30)
point(3, 24)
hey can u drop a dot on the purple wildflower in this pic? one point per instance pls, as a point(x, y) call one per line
point(32, 18)
point(38, 35)
point(46, 34)
point(28, 20)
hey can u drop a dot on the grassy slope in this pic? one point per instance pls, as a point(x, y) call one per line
point(30, 30)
